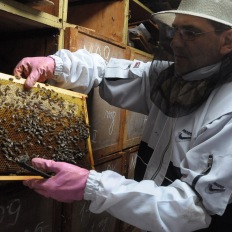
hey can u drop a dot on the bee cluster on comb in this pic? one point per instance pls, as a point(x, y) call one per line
point(41, 122)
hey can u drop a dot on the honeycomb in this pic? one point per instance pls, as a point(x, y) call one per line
point(45, 122)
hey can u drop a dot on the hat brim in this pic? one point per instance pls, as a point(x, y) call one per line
point(167, 17)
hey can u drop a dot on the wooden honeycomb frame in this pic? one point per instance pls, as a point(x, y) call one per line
point(46, 122)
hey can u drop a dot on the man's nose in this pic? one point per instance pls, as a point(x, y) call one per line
point(176, 40)
point(176, 35)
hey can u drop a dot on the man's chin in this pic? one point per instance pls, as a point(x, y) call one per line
point(180, 71)
point(182, 68)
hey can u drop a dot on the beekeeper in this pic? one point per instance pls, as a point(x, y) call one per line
point(183, 175)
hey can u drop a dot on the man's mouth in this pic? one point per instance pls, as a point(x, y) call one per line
point(179, 55)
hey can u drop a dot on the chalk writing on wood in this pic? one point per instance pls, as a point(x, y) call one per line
point(102, 50)
point(10, 211)
point(132, 161)
point(110, 115)
point(9, 217)
point(111, 166)
point(94, 222)
point(21, 209)
point(94, 136)
point(41, 227)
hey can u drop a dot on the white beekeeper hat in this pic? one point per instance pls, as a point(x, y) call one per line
point(216, 10)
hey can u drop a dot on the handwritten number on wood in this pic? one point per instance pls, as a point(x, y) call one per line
point(11, 210)
point(14, 209)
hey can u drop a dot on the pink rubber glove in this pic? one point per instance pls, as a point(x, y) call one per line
point(67, 184)
point(35, 69)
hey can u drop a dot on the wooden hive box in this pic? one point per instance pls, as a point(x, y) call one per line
point(46, 122)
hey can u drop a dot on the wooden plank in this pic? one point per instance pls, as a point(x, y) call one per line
point(139, 11)
point(106, 126)
point(136, 54)
point(106, 18)
point(142, 6)
point(132, 157)
point(24, 210)
point(49, 8)
point(26, 16)
point(133, 129)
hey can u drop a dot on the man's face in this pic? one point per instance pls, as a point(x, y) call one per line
point(204, 50)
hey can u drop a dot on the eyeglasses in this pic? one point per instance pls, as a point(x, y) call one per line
point(185, 34)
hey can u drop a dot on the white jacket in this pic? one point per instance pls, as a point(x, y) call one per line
point(199, 144)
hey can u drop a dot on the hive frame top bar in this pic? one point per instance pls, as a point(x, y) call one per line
point(59, 90)
point(20, 178)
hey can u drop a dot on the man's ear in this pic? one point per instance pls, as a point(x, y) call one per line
point(227, 42)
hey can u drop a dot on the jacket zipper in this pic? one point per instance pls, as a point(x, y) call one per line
point(161, 162)
point(164, 152)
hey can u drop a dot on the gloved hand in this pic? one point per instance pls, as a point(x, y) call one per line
point(66, 185)
point(35, 69)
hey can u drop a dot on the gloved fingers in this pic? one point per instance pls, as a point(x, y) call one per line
point(22, 69)
point(38, 186)
point(42, 192)
point(35, 69)
point(33, 183)
point(32, 78)
point(53, 196)
point(66, 185)
point(45, 188)
point(46, 165)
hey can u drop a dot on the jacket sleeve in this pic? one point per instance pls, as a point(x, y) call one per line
point(123, 83)
point(126, 84)
point(78, 71)
point(207, 166)
point(174, 208)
